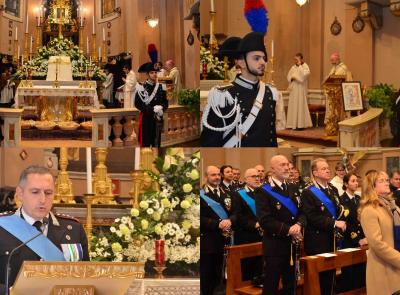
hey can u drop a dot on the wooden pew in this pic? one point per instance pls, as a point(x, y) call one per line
point(234, 284)
point(313, 265)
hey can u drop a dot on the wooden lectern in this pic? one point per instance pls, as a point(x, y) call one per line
point(334, 104)
point(76, 278)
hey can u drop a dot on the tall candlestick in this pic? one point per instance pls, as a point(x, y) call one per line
point(93, 25)
point(27, 23)
point(137, 158)
point(104, 34)
point(18, 52)
point(212, 6)
point(99, 52)
point(89, 170)
point(272, 48)
point(30, 45)
point(81, 21)
point(38, 21)
point(16, 33)
point(87, 46)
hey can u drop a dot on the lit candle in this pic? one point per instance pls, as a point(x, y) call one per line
point(137, 159)
point(99, 52)
point(16, 33)
point(272, 48)
point(93, 25)
point(27, 23)
point(212, 6)
point(104, 34)
point(89, 170)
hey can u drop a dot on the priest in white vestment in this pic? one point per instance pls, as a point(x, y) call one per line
point(174, 74)
point(129, 87)
point(298, 115)
point(339, 68)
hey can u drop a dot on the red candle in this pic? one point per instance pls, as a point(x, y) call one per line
point(160, 253)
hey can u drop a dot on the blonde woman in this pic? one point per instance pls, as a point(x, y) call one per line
point(379, 216)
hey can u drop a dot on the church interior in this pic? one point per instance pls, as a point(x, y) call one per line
point(62, 69)
point(363, 34)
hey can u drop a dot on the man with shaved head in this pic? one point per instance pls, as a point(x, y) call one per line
point(245, 224)
point(339, 68)
point(215, 230)
point(282, 223)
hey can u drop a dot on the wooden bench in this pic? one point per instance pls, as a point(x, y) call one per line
point(235, 285)
point(313, 265)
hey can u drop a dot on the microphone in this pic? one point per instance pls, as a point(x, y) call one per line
point(8, 268)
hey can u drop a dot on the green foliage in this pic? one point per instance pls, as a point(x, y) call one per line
point(190, 98)
point(381, 96)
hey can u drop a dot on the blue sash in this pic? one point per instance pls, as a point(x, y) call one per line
point(325, 200)
point(286, 201)
point(215, 206)
point(23, 231)
point(249, 201)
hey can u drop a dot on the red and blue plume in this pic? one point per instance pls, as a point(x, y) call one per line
point(257, 15)
point(153, 53)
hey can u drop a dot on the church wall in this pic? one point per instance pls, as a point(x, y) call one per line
point(387, 53)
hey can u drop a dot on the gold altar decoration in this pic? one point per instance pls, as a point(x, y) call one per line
point(137, 177)
point(83, 269)
point(64, 192)
point(15, 55)
point(94, 49)
point(213, 41)
point(73, 290)
point(61, 12)
point(104, 52)
point(89, 216)
point(102, 184)
point(26, 48)
point(334, 111)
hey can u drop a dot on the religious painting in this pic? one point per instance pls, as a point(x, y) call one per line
point(13, 8)
point(107, 8)
point(60, 13)
point(392, 164)
point(352, 97)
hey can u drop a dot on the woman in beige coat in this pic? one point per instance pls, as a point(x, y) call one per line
point(377, 219)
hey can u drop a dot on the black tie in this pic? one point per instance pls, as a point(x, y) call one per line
point(216, 192)
point(284, 187)
point(38, 225)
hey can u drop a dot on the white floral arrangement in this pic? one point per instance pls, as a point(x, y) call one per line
point(61, 47)
point(171, 214)
point(215, 67)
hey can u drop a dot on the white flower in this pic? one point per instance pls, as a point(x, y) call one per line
point(144, 204)
point(112, 229)
point(187, 187)
point(150, 211)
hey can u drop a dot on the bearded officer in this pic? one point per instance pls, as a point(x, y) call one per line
point(242, 114)
point(63, 237)
point(215, 230)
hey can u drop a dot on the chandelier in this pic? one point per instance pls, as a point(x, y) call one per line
point(152, 21)
point(301, 2)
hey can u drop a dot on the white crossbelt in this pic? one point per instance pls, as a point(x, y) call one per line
point(242, 129)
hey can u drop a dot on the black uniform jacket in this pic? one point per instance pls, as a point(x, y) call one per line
point(211, 239)
point(354, 232)
point(147, 128)
point(62, 229)
point(261, 134)
point(244, 220)
point(320, 229)
point(275, 220)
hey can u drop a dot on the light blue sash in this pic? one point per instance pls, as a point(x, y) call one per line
point(215, 206)
point(286, 201)
point(249, 201)
point(324, 199)
point(23, 231)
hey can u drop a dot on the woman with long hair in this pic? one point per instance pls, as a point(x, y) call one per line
point(380, 220)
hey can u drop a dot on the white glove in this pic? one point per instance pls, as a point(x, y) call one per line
point(158, 110)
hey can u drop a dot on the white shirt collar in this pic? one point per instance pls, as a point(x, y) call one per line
point(278, 182)
point(28, 218)
point(227, 183)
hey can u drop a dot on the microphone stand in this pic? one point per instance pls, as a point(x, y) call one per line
point(8, 268)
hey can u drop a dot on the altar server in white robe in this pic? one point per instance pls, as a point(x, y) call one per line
point(129, 87)
point(6, 87)
point(108, 85)
point(298, 115)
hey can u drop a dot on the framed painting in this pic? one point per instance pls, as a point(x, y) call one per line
point(108, 10)
point(352, 96)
